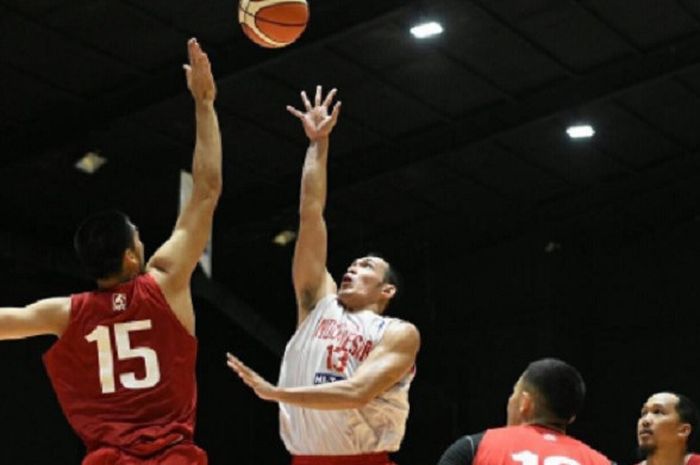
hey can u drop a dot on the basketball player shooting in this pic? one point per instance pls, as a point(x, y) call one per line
point(123, 368)
point(345, 375)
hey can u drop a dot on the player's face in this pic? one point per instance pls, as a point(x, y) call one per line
point(513, 409)
point(363, 283)
point(659, 424)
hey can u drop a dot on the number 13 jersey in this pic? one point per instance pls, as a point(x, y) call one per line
point(329, 346)
point(124, 369)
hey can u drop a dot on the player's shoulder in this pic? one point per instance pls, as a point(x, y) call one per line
point(401, 330)
point(599, 457)
point(502, 431)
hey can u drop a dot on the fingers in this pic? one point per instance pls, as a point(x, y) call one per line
point(190, 48)
point(328, 123)
point(336, 112)
point(194, 51)
point(295, 112)
point(305, 100)
point(317, 99)
point(329, 98)
point(235, 364)
point(245, 373)
point(196, 55)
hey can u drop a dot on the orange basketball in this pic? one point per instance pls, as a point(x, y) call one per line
point(273, 23)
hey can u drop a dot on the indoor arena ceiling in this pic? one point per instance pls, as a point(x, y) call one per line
point(457, 137)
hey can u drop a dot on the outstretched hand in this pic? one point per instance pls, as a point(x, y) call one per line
point(200, 80)
point(262, 388)
point(317, 122)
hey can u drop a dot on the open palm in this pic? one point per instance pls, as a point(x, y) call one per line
point(316, 120)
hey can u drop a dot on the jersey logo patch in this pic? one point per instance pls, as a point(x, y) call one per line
point(323, 378)
point(118, 302)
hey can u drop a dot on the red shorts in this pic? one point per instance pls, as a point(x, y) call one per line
point(179, 454)
point(381, 458)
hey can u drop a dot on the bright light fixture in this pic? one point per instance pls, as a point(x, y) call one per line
point(426, 30)
point(583, 131)
point(91, 162)
point(284, 237)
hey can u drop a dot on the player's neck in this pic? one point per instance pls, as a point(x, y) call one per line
point(114, 281)
point(372, 307)
point(668, 457)
point(554, 426)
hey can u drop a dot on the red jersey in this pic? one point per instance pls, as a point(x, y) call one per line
point(124, 369)
point(534, 445)
point(694, 459)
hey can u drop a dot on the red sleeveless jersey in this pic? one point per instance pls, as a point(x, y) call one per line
point(124, 369)
point(534, 445)
point(694, 459)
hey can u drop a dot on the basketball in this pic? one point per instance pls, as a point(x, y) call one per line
point(273, 23)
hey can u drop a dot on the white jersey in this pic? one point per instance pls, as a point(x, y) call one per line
point(329, 346)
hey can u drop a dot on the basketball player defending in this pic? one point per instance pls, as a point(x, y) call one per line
point(666, 429)
point(343, 385)
point(123, 366)
point(544, 402)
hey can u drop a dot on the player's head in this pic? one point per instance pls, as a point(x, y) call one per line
point(549, 392)
point(108, 245)
point(667, 422)
point(370, 282)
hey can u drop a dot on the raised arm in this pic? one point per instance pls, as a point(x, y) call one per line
point(393, 357)
point(311, 279)
point(48, 316)
point(173, 263)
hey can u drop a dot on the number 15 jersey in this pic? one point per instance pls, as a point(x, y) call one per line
point(124, 369)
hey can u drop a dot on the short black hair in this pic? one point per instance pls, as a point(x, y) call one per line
point(100, 242)
point(560, 387)
point(391, 275)
point(688, 413)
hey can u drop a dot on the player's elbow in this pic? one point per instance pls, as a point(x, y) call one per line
point(209, 190)
point(361, 396)
point(213, 185)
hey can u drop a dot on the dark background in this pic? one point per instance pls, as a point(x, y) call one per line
point(450, 159)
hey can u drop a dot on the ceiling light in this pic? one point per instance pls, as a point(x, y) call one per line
point(583, 131)
point(91, 162)
point(552, 247)
point(425, 30)
point(284, 237)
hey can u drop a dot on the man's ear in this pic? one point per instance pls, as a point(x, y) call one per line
point(527, 405)
point(129, 257)
point(388, 291)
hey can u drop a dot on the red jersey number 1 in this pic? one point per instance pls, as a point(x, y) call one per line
point(105, 357)
point(529, 458)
